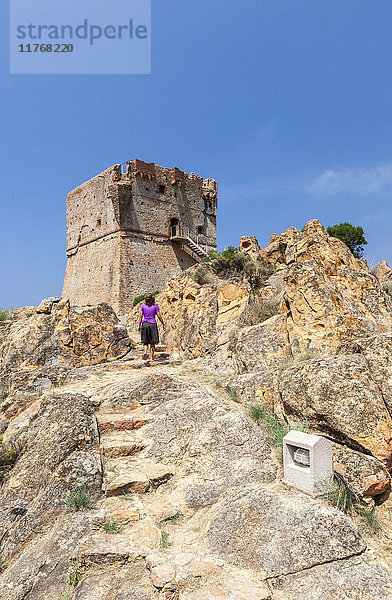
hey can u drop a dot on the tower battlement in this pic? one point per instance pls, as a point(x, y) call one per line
point(124, 231)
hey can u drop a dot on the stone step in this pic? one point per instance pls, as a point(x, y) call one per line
point(116, 445)
point(101, 549)
point(119, 514)
point(121, 422)
point(139, 478)
point(132, 482)
point(159, 348)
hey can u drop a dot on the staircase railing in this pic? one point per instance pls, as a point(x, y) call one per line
point(185, 233)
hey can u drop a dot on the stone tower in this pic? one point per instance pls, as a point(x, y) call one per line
point(129, 232)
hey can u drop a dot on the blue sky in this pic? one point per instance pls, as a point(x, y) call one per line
point(287, 103)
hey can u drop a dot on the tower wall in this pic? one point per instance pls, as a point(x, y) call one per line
point(146, 266)
point(118, 231)
point(92, 273)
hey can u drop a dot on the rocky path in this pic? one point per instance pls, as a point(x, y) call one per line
point(185, 472)
point(191, 505)
point(144, 521)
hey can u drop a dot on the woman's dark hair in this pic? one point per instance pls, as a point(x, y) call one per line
point(149, 299)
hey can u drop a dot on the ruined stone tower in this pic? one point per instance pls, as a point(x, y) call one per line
point(130, 232)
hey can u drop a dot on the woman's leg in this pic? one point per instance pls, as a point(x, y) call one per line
point(152, 351)
point(144, 340)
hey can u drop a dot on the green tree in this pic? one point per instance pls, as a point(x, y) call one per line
point(352, 236)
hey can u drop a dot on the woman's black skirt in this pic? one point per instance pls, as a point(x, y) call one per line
point(149, 333)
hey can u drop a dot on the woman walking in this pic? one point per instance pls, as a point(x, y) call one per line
point(148, 325)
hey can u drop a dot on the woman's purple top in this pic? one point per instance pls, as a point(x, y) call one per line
point(149, 313)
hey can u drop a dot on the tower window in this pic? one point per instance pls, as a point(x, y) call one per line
point(200, 230)
point(161, 189)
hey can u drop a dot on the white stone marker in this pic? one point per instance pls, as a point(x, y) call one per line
point(307, 461)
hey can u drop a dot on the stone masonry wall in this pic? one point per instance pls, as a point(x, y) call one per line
point(93, 272)
point(118, 231)
point(146, 266)
point(89, 214)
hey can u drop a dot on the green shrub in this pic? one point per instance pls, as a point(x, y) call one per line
point(338, 494)
point(201, 275)
point(259, 310)
point(75, 575)
point(9, 454)
point(258, 271)
point(284, 363)
point(371, 518)
point(274, 431)
point(4, 314)
point(257, 413)
point(232, 391)
point(175, 519)
point(110, 526)
point(307, 355)
point(165, 540)
point(231, 262)
point(79, 500)
point(352, 236)
point(139, 299)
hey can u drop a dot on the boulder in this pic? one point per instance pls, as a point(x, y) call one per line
point(47, 304)
point(273, 535)
point(42, 570)
point(330, 297)
point(197, 315)
point(366, 476)
point(249, 245)
point(59, 454)
point(232, 299)
point(359, 577)
point(101, 549)
point(337, 396)
point(265, 344)
point(129, 582)
point(58, 335)
point(162, 574)
point(383, 271)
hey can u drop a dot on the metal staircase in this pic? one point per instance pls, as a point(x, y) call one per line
point(189, 241)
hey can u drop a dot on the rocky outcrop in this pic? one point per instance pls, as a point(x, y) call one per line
point(191, 481)
point(338, 397)
point(330, 297)
point(57, 442)
point(57, 335)
point(198, 317)
point(43, 569)
point(188, 494)
point(323, 359)
point(366, 476)
point(249, 245)
point(383, 272)
point(268, 543)
point(360, 578)
point(327, 299)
